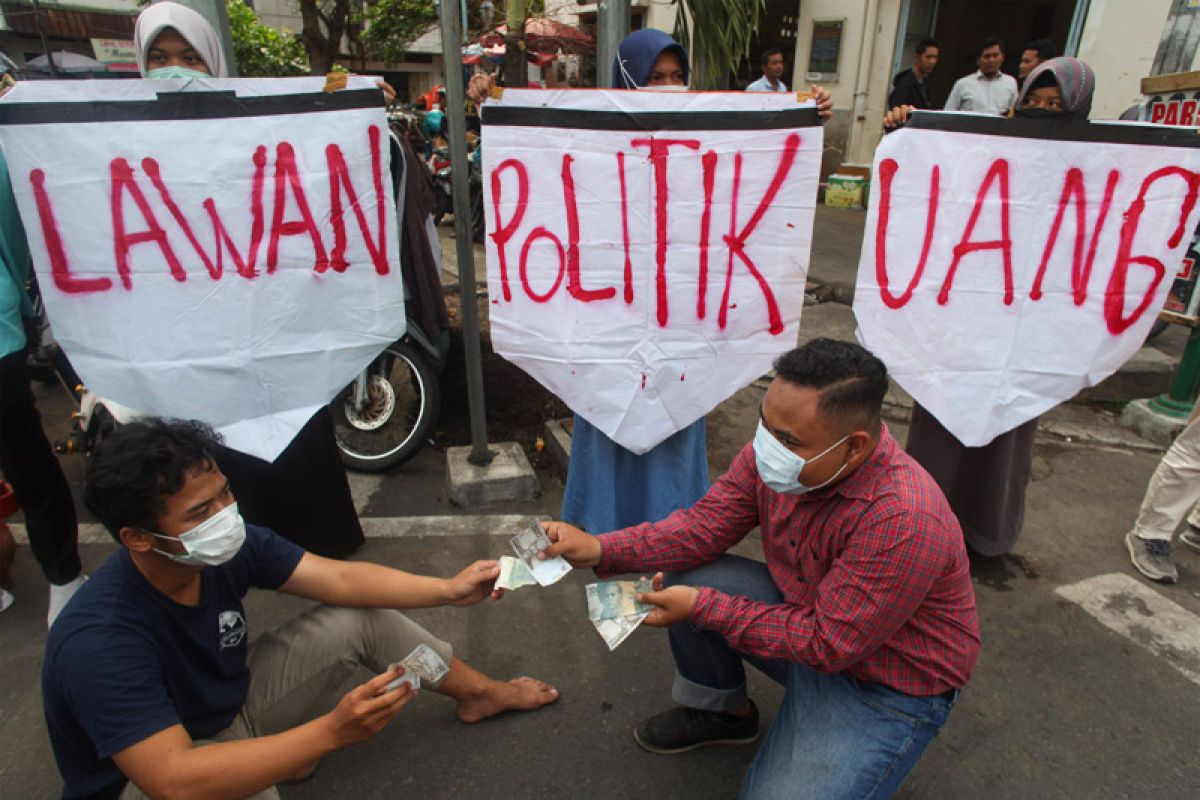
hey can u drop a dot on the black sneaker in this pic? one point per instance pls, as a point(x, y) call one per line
point(682, 729)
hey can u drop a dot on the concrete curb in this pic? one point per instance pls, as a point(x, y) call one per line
point(373, 527)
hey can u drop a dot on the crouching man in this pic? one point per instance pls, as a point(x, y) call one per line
point(152, 658)
point(863, 608)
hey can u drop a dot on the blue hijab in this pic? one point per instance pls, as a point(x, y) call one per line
point(638, 52)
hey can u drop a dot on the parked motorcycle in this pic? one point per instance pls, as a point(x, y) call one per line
point(442, 171)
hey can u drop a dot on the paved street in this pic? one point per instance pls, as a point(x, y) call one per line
point(1088, 685)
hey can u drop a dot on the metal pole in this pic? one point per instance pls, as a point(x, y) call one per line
point(215, 13)
point(37, 10)
point(464, 246)
point(612, 25)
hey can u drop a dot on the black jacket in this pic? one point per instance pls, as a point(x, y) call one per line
point(908, 91)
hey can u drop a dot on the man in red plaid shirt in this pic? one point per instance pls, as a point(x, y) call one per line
point(863, 608)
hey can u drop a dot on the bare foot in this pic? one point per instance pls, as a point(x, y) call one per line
point(519, 694)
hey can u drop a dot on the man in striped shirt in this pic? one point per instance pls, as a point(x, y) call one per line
point(863, 606)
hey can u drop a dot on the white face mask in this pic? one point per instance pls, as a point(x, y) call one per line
point(674, 87)
point(780, 468)
point(212, 542)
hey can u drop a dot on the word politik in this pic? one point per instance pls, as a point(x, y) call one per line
point(658, 150)
point(1073, 195)
point(284, 183)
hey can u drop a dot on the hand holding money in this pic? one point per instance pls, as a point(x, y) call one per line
point(614, 609)
point(367, 709)
point(581, 550)
point(671, 605)
point(472, 584)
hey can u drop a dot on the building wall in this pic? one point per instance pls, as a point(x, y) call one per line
point(1119, 42)
point(282, 15)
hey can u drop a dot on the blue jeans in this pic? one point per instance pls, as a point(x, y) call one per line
point(834, 736)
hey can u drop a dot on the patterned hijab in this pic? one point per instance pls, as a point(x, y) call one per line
point(187, 23)
point(1075, 80)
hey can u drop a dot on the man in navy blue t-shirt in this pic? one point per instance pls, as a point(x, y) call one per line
point(151, 659)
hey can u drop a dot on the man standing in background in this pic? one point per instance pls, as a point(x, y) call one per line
point(988, 90)
point(911, 87)
point(772, 77)
point(1035, 53)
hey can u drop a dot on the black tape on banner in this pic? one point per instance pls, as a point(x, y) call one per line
point(1055, 130)
point(194, 105)
point(575, 119)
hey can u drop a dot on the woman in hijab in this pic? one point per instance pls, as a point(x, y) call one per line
point(609, 487)
point(303, 495)
point(986, 485)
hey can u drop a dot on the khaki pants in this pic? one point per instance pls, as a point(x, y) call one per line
point(1174, 488)
point(297, 670)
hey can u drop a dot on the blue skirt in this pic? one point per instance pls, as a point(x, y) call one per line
point(609, 488)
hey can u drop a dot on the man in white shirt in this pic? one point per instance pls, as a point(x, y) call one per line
point(988, 91)
point(772, 77)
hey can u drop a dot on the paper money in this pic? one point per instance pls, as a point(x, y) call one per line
point(613, 599)
point(425, 664)
point(514, 574)
point(614, 610)
point(528, 544)
point(409, 678)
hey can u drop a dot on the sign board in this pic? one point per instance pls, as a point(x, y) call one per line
point(1175, 100)
point(647, 250)
point(119, 55)
point(222, 250)
point(1007, 264)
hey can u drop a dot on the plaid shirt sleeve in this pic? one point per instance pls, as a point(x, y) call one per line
point(870, 591)
point(690, 537)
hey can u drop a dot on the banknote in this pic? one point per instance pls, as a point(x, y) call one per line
point(604, 600)
point(425, 664)
point(514, 574)
point(408, 677)
point(615, 631)
point(612, 599)
point(528, 544)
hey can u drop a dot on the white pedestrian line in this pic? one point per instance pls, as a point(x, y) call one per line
point(373, 527)
point(1125, 605)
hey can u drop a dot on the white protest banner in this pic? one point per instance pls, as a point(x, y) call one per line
point(1007, 264)
point(647, 250)
point(223, 250)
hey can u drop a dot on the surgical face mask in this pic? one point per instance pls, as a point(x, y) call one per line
point(212, 542)
point(159, 73)
point(674, 87)
point(780, 468)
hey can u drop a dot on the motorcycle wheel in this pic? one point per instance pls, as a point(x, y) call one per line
point(403, 402)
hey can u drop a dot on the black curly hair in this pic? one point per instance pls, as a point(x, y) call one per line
point(142, 463)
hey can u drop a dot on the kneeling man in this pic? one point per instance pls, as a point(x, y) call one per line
point(863, 608)
point(152, 657)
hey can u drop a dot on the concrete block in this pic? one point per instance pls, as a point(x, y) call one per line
point(508, 477)
point(1147, 374)
point(1150, 424)
point(558, 444)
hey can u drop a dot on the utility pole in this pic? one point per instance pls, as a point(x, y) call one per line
point(612, 25)
point(464, 246)
point(215, 14)
point(38, 21)
point(516, 69)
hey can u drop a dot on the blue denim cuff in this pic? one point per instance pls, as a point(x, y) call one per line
point(706, 698)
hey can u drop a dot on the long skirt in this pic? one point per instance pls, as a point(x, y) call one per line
point(984, 485)
point(610, 488)
point(303, 495)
